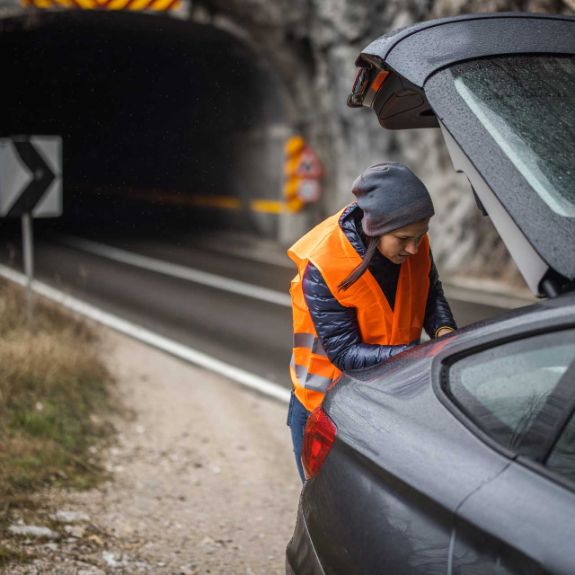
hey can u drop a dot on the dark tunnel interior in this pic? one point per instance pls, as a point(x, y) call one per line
point(162, 121)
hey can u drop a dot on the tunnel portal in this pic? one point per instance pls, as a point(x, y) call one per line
point(165, 123)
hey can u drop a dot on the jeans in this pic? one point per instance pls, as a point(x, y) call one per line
point(296, 419)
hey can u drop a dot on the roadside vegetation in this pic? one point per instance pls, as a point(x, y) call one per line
point(55, 405)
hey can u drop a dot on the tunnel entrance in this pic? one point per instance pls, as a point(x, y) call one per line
point(166, 124)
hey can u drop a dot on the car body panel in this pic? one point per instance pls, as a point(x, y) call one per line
point(522, 510)
point(410, 482)
point(417, 52)
point(302, 556)
point(408, 470)
point(404, 426)
point(390, 528)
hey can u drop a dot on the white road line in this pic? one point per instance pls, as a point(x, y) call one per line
point(180, 272)
point(481, 295)
point(172, 347)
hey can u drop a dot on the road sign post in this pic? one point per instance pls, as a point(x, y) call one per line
point(30, 186)
point(28, 250)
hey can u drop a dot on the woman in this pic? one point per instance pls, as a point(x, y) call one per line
point(366, 286)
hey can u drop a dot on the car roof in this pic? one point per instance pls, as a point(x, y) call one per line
point(417, 51)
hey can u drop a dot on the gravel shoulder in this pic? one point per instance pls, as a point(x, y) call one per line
point(202, 479)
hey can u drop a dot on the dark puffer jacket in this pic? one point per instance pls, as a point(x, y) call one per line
point(337, 326)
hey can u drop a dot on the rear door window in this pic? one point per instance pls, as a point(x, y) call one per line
point(504, 389)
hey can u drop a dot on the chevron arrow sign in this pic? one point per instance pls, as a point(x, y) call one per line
point(31, 176)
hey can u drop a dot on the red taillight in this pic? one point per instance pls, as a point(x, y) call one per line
point(318, 439)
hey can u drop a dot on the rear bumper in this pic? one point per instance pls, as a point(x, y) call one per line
point(301, 557)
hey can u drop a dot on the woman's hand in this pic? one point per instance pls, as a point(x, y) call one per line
point(443, 331)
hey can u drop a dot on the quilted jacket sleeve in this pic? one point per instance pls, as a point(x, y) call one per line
point(437, 311)
point(337, 327)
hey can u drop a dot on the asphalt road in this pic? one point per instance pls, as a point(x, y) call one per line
point(243, 331)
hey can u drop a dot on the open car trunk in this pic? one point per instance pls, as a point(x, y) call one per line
point(502, 89)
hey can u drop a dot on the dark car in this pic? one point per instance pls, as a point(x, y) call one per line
point(458, 456)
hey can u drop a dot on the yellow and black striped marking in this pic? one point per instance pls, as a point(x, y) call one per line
point(130, 5)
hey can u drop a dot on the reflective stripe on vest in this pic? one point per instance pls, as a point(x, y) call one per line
point(310, 341)
point(309, 380)
point(306, 345)
point(327, 247)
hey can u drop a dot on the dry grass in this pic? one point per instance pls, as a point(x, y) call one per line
point(54, 401)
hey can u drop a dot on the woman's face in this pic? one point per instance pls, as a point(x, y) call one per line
point(399, 244)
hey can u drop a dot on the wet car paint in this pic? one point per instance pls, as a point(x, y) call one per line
point(412, 486)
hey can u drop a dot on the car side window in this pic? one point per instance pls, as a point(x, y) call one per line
point(562, 458)
point(504, 388)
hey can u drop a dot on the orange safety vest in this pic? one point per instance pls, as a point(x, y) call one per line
point(328, 249)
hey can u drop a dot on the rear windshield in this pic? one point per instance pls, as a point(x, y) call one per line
point(527, 104)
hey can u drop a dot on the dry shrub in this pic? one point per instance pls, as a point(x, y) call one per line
point(54, 397)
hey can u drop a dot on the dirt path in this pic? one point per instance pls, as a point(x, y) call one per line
point(203, 479)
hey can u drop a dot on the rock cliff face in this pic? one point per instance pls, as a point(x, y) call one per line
point(312, 46)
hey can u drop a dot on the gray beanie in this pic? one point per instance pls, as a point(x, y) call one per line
point(391, 196)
